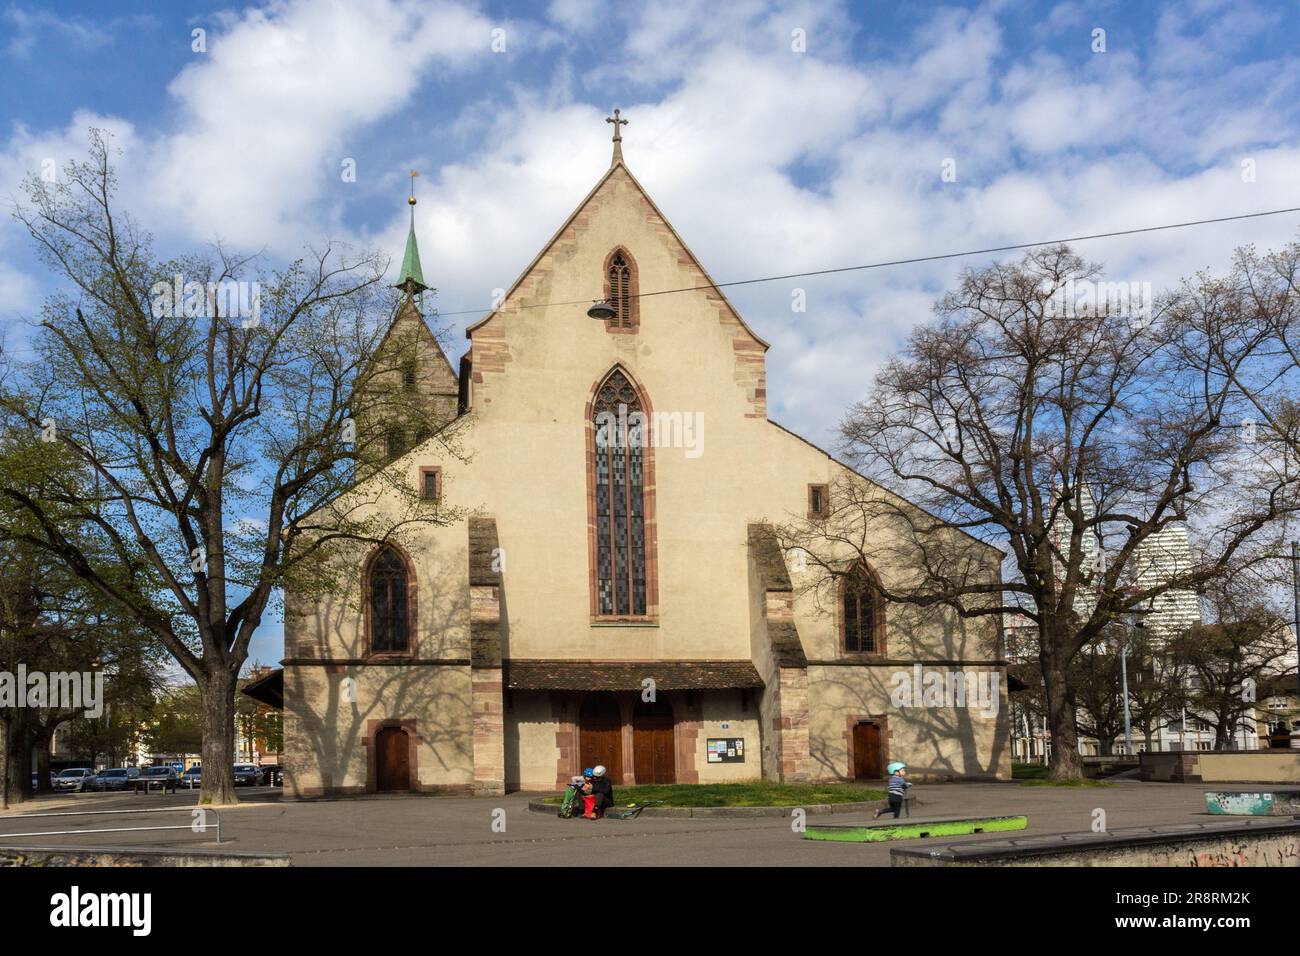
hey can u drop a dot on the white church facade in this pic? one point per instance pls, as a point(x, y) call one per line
point(605, 598)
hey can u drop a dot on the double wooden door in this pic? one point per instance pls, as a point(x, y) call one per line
point(600, 735)
point(652, 742)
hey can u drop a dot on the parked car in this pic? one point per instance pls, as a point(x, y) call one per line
point(74, 778)
point(247, 774)
point(108, 781)
point(53, 777)
point(193, 777)
point(272, 774)
point(157, 778)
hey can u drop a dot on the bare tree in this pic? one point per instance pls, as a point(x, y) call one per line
point(1072, 436)
point(212, 413)
point(1227, 662)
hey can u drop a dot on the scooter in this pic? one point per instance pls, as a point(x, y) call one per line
point(631, 811)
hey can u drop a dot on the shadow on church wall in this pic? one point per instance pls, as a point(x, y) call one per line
point(326, 735)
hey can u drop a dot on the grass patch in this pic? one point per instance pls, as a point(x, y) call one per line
point(1029, 771)
point(752, 794)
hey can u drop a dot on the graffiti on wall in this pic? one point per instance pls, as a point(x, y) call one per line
point(1278, 803)
point(1236, 804)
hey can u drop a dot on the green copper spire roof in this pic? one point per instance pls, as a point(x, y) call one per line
point(411, 271)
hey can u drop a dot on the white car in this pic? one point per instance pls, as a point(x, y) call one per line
point(72, 779)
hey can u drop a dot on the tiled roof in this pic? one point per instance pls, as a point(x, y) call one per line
point(606, 675)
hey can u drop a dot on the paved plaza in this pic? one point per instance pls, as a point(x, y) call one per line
point(419, 830)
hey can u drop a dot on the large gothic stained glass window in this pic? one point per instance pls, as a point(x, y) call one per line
point(619, 421)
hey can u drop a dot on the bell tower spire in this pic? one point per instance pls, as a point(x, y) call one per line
point(411, 278)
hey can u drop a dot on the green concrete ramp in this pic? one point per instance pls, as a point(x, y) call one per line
point(913, 829)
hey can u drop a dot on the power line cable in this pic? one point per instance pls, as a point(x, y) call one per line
point(914, 260)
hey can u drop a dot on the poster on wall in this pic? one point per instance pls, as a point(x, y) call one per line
point(725, 750)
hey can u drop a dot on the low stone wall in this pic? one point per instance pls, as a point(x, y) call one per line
point(1238, 843)
point(130, 857)
point(1223, 766)
point(1254, 766)
point(1177, 766)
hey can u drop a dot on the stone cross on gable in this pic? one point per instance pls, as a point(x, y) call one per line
point(618, 136)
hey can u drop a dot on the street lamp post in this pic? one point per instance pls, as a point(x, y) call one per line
point(1295, 597)
point(1133, 620)
point(1123, 669)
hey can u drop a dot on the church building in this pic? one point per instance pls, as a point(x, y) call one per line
point(612, 589)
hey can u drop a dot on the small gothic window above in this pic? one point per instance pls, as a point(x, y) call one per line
point(620, 278)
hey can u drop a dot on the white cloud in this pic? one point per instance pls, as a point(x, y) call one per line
point(270, 113)
point(766, 160)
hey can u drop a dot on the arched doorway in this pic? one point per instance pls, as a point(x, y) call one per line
point(392, 759)
point(653, 752)
point(600, 735)
point(868, 754)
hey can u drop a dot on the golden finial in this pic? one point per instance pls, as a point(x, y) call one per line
point(411, 198)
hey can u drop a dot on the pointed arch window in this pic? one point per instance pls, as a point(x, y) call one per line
point(619, 470)
point(862, 612)
point(621, 291)
point(390, 603)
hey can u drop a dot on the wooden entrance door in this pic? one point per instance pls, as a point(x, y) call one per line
point(600, 735)
point(868, 755)
point(392, 759)
point(652, 742)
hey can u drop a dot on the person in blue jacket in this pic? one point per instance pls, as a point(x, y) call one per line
point(898, 784)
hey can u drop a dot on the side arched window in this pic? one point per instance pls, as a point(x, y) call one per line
point(862, 617)
point(389, 595)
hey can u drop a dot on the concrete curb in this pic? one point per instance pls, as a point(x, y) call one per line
point(1223, 843)
point(815, 810)
point(109, 856)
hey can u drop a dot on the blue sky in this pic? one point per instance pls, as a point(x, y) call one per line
point(767, 159)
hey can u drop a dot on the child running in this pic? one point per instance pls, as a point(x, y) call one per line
point(898, 784)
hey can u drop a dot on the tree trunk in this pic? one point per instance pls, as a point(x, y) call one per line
point(18, 749)
point(4, 763)
point(1065, 764)
point(218, 776)
point(1223, 733)
point(41, 737)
